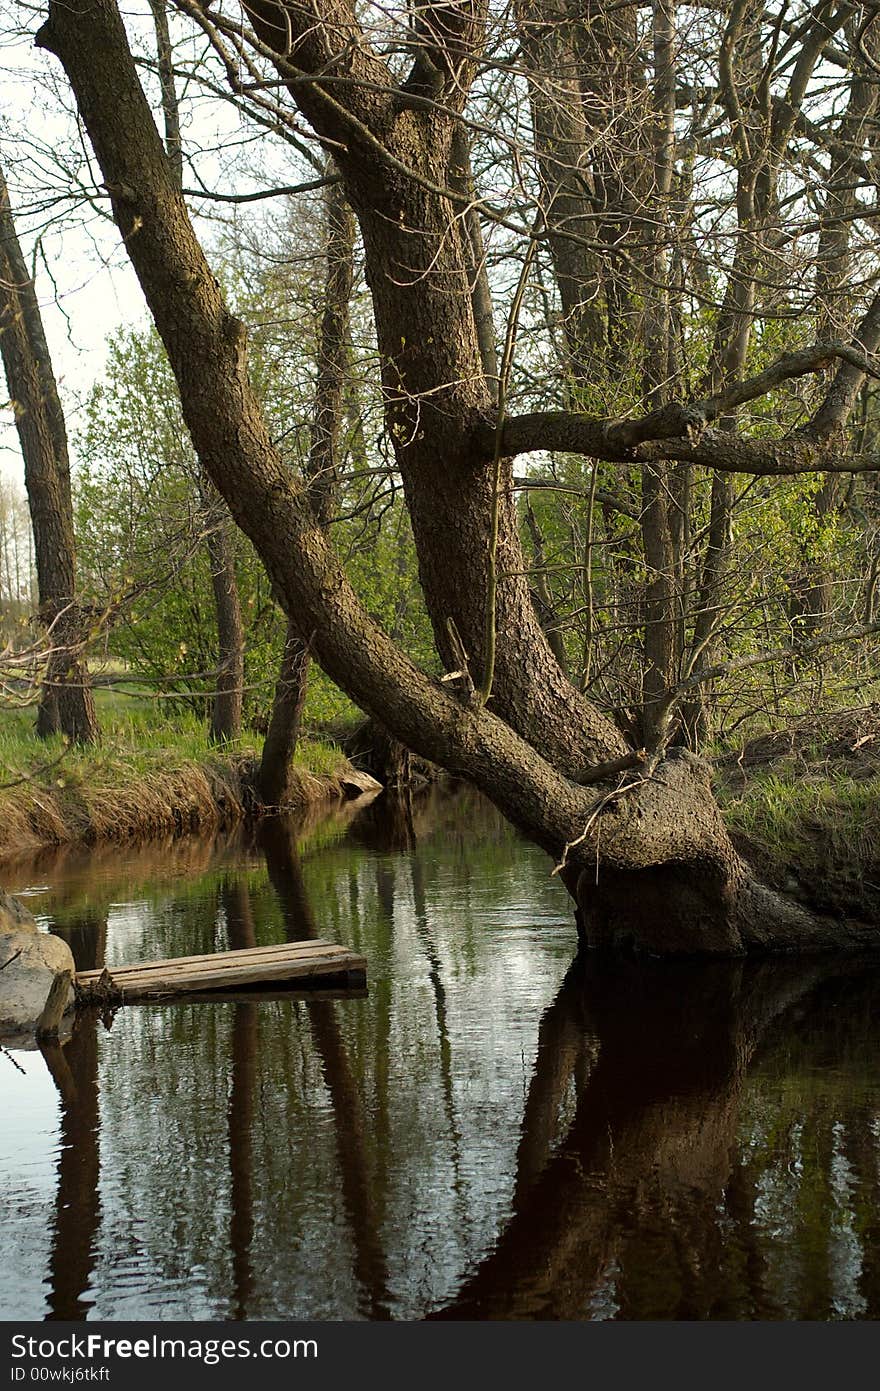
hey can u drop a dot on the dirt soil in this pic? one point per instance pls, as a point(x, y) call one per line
point(845, 744)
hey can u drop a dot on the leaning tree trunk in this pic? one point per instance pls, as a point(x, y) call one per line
point(66, 702)
point(273, 778)
point(229, 682)
point(669, 879)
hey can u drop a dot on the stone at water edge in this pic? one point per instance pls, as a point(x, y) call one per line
point(14, 917)
point(26, 981)
point(355, 784)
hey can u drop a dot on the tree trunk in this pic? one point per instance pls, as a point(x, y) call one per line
point(67, 703)
point(544, 605)
point(669, 879)
point(333, 352)
point(660, 631)
point(229, 682)
point(813, 600)
point(282, 736)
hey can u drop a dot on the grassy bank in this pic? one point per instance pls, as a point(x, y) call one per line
point(804, 806)
point(149, 776)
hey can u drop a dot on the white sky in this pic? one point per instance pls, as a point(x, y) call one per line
point(96, 288)
point(95, 291)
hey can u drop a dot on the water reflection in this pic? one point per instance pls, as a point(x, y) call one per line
point(361, 1191)
point(639, 1208)
point(492, 1133)
point(234, 901)
point(78, 1205)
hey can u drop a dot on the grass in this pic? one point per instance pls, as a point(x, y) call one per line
point(803, 803)
point(815, 834)
point(151, 774)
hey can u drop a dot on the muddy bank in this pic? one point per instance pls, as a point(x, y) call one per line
point(803, 805)
point(184, 798)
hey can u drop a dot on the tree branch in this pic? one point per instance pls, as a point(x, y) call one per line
point(681, 431)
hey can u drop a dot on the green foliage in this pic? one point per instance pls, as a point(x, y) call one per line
point(798, 548)
point(141, 523)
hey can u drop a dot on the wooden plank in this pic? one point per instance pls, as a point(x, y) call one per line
point(238, 975)
point(53, 1009)
point(251, 967)
point(318, 993)
point(222, 963)
point(273, 949)
point(267, 971)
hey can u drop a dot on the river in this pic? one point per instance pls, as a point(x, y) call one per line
point(489, 1133)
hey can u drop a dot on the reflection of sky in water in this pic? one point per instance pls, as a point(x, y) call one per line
point(28, 1158)
point(360, 1158)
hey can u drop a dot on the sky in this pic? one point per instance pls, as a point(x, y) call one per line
point(95, 290)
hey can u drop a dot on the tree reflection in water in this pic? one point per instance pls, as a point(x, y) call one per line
point(473, 1140)
point(638, 1208)
point(361, 1188)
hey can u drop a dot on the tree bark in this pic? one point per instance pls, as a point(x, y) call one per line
point(813, 600)
point(226, 709)
point(67, 703)
point(285, 721)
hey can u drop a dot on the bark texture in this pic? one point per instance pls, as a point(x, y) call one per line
point(322, 486)
point(226, 709)
point(285, 721)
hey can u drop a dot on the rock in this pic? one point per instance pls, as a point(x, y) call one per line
point(26, 1041)
point(34, 960)
point(355, 783)
point(14, 917)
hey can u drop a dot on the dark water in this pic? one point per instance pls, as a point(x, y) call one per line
point(488, 1134)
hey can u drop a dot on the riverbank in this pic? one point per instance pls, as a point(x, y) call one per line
point(145, 780)
point(803, 805)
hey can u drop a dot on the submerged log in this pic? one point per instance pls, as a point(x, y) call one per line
point(357, 784)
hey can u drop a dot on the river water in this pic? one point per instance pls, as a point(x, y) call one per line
point(489, 1133)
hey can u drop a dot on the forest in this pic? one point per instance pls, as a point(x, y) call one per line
point(507, 380)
